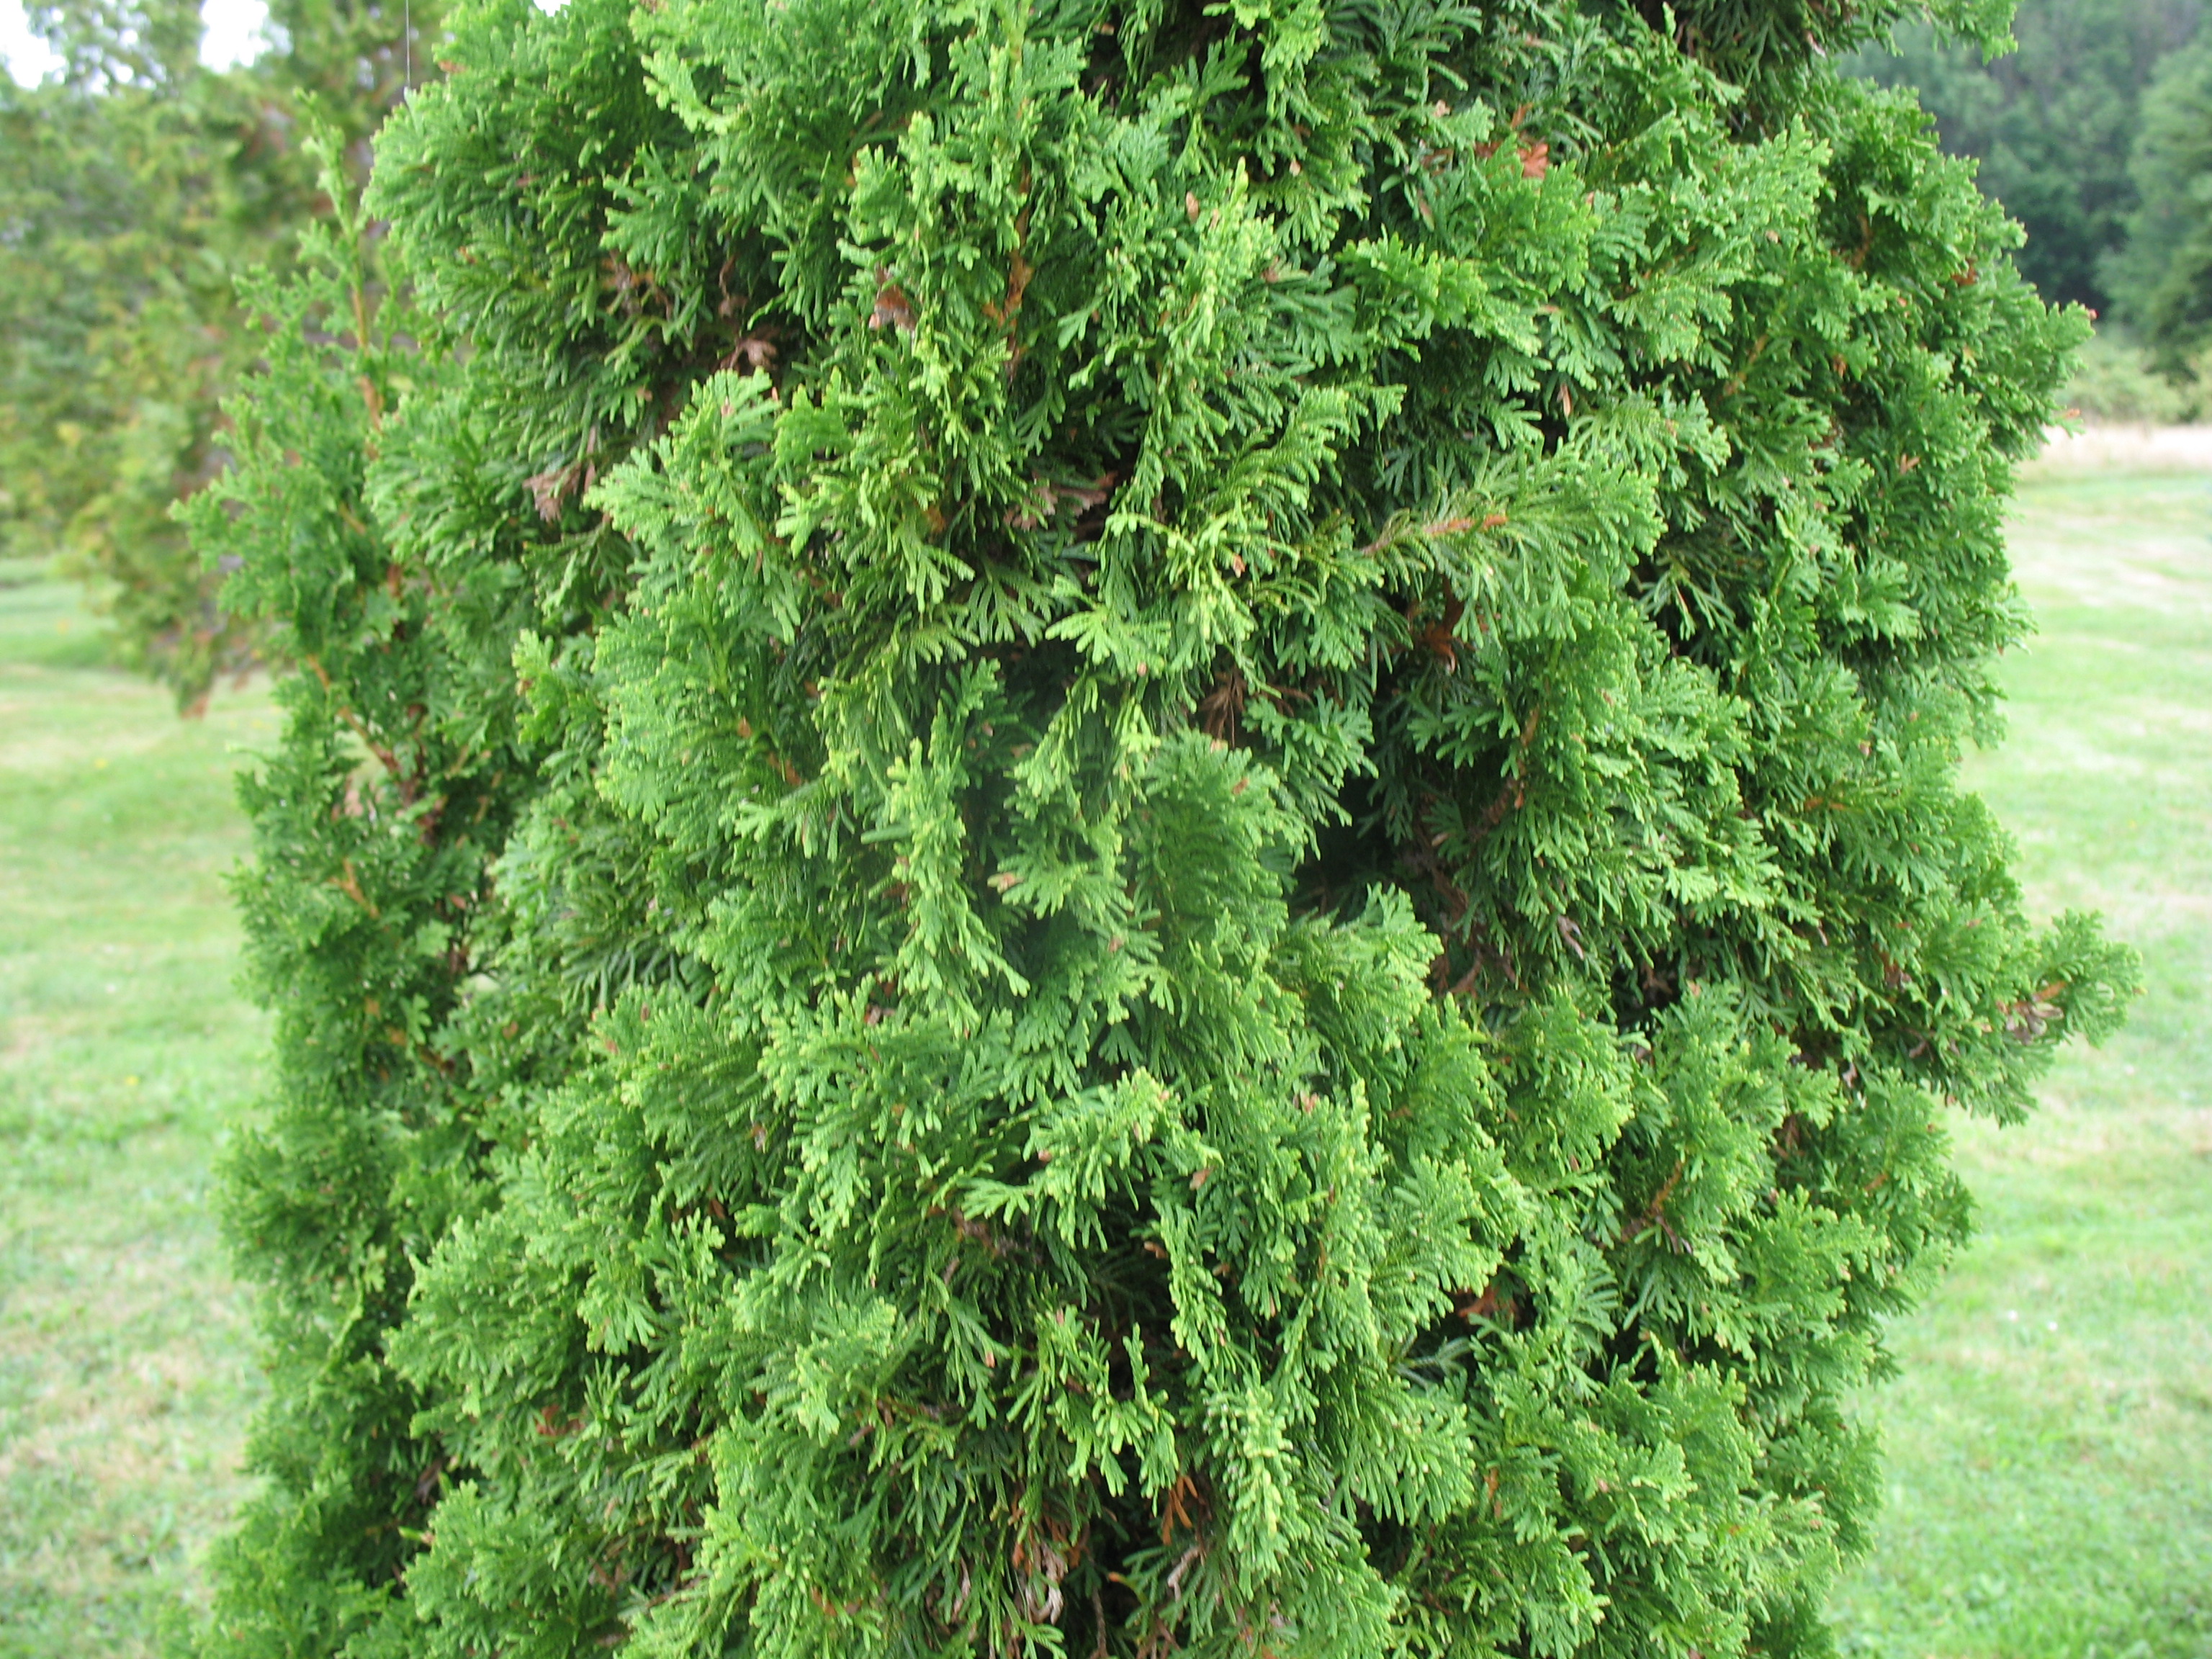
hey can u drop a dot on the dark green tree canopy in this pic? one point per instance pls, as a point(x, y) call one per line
point(2162, 277)
point(2052, 122)
point(1121, 828)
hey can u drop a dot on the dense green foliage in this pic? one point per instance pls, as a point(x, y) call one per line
point(1113, 829)
point(134, 187)
point(126, 208)
point(2163, 276)
point(2052, 123)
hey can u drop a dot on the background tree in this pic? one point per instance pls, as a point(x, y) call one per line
point(1113, 829)
point(130, 186)
point(134, 187)
point(2052, 122)
point(2163, 277)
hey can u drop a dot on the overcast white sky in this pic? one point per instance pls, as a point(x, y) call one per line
point(230, 33)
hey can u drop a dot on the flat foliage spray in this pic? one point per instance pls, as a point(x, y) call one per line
point(1121, 827)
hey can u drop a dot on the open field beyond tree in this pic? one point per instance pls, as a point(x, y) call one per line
point(2051, 1439)
point(125, 1371)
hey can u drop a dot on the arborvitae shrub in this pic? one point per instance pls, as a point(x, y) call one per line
point(1122, 829)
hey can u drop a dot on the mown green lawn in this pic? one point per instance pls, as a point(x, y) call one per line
point(124, 1372)
point(2051, 1440)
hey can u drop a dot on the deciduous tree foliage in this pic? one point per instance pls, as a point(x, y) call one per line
point(1122, 829)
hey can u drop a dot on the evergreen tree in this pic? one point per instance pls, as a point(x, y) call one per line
point(2052, 122)
point(2163, 276)
point(134, 187)
point(131, 187)
point(1121, 828)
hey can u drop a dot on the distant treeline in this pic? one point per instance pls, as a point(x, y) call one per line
point(2096, 134)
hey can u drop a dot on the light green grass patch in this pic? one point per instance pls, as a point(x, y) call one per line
point(125, 1375)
